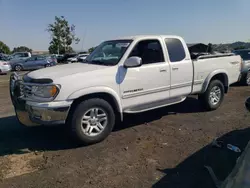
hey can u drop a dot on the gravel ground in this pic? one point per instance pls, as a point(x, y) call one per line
point(167, 147)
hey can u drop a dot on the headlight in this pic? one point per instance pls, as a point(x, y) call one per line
point(49, 91)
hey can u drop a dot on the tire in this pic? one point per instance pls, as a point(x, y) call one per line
point(211, 100)
point(47, 65)
point(18, 68)
point(247, 79)
point(81, 121)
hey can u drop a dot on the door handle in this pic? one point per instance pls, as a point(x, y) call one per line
point(175, 68)
point(163, 70)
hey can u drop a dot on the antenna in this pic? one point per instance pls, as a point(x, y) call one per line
point(84, 35)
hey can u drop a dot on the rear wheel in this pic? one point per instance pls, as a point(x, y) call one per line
point(247, 79)
point(47, 65)
point(213, 96)
point(18, 68)
point(92, 121)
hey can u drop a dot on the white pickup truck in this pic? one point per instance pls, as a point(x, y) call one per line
point(126, 75)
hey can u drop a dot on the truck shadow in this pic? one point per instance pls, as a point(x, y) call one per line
point(191, 172)
point(190, 105)
point(17, 139)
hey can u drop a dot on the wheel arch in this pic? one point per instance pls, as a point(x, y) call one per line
point(19, 65)
point(221, 75)
point(97, 92)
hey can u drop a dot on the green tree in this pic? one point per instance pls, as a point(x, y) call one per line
point(91, 49)
point(22, 49)
point(4, 48)
point(239, 48)
point(63, 35)
point(210, 48)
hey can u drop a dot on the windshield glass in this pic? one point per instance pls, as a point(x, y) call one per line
point(245, 54)
point(109, 52)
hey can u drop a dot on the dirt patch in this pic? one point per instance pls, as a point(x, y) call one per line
point(19, 164)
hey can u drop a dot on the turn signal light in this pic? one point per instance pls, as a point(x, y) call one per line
point(53, 90)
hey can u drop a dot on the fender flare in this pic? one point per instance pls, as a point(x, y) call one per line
point(98, 89)
point(211, 75)
point(17, 64)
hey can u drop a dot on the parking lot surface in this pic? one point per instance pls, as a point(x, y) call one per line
point(167, 147)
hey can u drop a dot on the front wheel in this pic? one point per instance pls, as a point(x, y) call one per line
point(18, 68)
point(92, 121)
point(213, 96)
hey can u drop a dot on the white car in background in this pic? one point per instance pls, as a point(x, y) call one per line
point(5, 67)
point(72, 59)
point(78, 58)
point(82, 57)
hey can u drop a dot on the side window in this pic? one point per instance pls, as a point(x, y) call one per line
point(149, 50)
point(32, 58)
point(40, 58)
point(21, 55)
point(176, 50)
point(17, 55)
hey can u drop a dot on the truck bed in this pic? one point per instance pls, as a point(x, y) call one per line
point(209, 64)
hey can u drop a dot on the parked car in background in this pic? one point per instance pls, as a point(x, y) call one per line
point(82, 57)
point(52, 58)
point(127, 75)
point(77, 58)
point(4, 67)
point(4, 58)
point(65, 57)
point(245, 69)
point(20, 55)
point(32, 63)
point(72, 59)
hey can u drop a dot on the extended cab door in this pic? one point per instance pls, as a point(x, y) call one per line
point(148, 83)
point(181, 67)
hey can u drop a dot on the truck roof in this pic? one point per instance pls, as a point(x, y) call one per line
point(146, 37)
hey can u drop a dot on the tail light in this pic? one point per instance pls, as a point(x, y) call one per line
point(5, 63)
point(241, 64)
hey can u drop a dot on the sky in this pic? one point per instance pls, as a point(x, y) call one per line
point(24, 22)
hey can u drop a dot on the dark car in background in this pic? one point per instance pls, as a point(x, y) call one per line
point(245, 69)
point(32, 63)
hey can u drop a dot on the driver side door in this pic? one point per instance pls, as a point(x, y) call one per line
point(148, 83)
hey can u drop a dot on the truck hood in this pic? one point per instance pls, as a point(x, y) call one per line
point(64, 70)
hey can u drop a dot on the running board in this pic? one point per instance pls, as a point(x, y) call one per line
point(154, 105)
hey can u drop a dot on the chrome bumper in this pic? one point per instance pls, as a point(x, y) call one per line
point(33, 115)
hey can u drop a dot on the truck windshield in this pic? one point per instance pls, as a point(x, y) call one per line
point(108, 53)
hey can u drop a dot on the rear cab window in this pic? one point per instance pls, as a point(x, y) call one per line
point(175, 49)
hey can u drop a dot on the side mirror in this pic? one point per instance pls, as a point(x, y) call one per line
point(133, 61)
point(247, 104)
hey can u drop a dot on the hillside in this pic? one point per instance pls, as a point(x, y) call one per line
point(231, 46)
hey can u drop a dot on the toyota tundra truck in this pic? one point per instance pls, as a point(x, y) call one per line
point(125, 75)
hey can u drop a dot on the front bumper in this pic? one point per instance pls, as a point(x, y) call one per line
point(36, 113)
